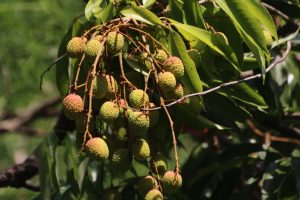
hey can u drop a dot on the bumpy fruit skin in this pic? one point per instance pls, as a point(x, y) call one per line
point(92, 48)
point(73, 106)
point(75, 47)
point(138, 123)
point(97, 148)
point(109, 111)
point(160, 163)
point(174, 64)
point(268, 38)
point(146, 184)
point(115, 42)
point(112, 194)
point(137, 98)
point(104, 85)
point(166, 81)
point(121, 160)
point(153, 115)
point(140, 149)
point(171, 182)
point(154, 194)
point(161, 55)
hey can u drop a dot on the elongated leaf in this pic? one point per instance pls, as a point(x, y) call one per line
point(105, 14)
point(148, 3)
point(249, 26)
point(91, 7)
point(141, 14)
point(193, 13)
point(214, 42)
point(245, 93)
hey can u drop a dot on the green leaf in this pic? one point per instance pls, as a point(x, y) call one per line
point(213, 41)
point(105, 14)
point(92, 6)
point(193, 13)
point(250, 27)
point(135, 64)
point(246, 94)
point(148, 3)
point(141, 14)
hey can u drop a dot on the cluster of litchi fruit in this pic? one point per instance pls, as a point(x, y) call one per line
point(126, 114)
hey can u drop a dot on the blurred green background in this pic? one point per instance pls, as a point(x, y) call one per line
point(30, 34)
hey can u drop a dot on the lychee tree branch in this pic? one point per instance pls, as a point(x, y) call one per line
point(231, 83)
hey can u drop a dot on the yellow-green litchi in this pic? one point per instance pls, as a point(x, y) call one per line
point(138, 98)
point(75, 47)
point(146, 184)
point(140, 149)
point(97, 148)
point(174, 64)
point(115, 42)
point(109, 111)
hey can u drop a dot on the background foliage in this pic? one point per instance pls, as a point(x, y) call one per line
point(216, 163)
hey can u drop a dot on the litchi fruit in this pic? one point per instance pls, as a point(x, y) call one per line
point(161, 55)
point(104, 85)
point(92, 48)
point(159, 164)
point(138, 123)
point(166, 81)
point(121, 160)
point(75, 47)
point(146, 184)
point(171, 182)
point(140, 149)
point(109, 111)
point(154, 194)
point(97, 148)
point(73, 106)
point(138, 98)
point(174, 64)
point(115, 42)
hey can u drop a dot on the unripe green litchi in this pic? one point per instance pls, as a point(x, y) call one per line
point(174, 64)
point(75, 47)
point(138, 98)
point(115, 42)
point(92, 48)
point(109, 111)
point(159, 164)
point(121, 160)
point(97, 148)
point(171, 182)
point(138, 123)
point(140, 149)
point(161, 55)
point(112, 194)
point(166, 81)
point(73, 106)
point(154, 194)
point(146, 184)
point(103, 85)
point(146, 60)
point(268, 37)
point(153, 115)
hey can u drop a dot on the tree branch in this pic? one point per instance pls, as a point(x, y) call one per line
point(18, 175)
point(18, 122)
